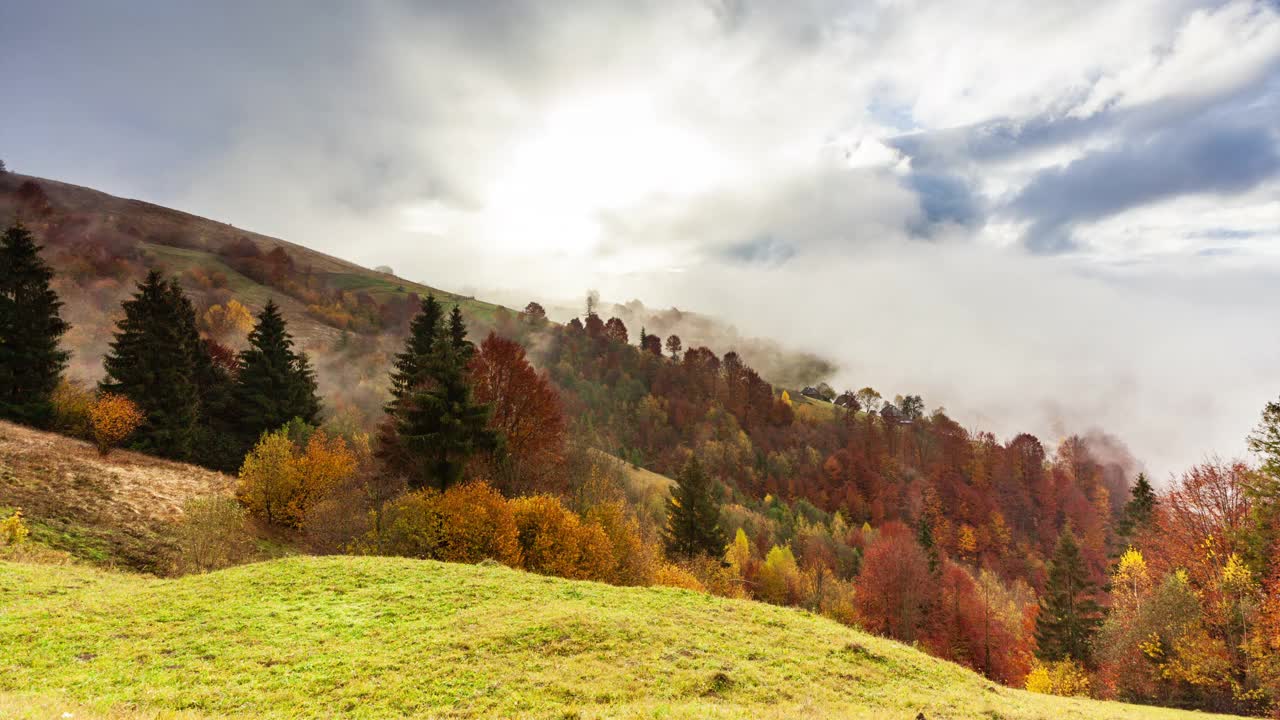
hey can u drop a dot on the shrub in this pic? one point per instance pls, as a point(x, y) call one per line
point(282, 484)
point(72, 409)
point(411, 526)
point(780, 580)
point(477, 525)
point(554, 541)
point(211, 534)
point(13, 529)
point(669, 575)
point(114, 418)
point(634, 559)
point(1064, 677)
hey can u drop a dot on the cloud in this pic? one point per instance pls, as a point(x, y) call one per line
point(775, 163)
point(1223, 160)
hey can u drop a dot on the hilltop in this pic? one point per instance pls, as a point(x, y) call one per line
point(382, 637)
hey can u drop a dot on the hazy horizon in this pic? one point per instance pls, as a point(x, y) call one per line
point(1050, 218)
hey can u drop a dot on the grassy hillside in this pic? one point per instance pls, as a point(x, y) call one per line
point(380, 637)
point(109, 510)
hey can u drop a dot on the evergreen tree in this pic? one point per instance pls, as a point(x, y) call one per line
point(151, 363)
point(214, 444)
point(411, 365)
point(1139, 509)
point(275, 384)
point(693, 515)
point(1262, 535)
point(458, 334)
point(434, 426)
point(1069, 616)
point(30, 360)
point(924, 536)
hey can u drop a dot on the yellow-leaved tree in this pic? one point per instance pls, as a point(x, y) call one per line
point(282, 483)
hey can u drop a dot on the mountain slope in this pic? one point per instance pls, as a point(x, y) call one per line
point(382, 637)
point(108, 510)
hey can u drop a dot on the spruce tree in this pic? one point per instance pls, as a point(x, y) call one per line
point(693, 515)
point(1069, 616)
point(151, 362)
point(411, 365)
point(924, 536)
point(433, 426)
point(458, 334)
point(1139, 509)
point(275, 384)
point(30, 327)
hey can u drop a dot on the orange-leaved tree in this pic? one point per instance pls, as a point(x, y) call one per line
point(113, 418)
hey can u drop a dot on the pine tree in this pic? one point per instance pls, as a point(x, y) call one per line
point(924, 536)
point(411, 365)
point(151, 363)
point(1069, 616)
point(458, 334)
point(693, 515)
point(275, 384)
point(30, 360)
point(214, 443)
point(434, 426)
point(1139, 509)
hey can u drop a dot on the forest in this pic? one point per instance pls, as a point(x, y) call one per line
point(400, 424)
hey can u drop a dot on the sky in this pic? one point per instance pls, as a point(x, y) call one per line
point(1053, 217)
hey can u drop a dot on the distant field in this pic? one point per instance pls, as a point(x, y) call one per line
point(384, 637)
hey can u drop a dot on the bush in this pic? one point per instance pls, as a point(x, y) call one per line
point(211, 534)
point(114, 418)
point(282, 484)
point(410, 526)
point(669, 575)
point(1065, 677)
point(477, 525)
point(635, 560)
point(554, 541)
point(13, 529)
point(72, 408)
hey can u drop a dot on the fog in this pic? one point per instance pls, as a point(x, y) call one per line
point(1049, 217)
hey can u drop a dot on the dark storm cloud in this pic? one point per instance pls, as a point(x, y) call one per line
point(1214, 159)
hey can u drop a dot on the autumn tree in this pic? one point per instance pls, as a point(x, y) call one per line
point(275, 384)
point(151, 362)
point(616, 330)
point(535, 312)
point(525, 409)
point(1069, 615)
point(282, 482)
point(673, 346)
point(895, 586)
point(113, 418)
point(693, 514)
point(233, 319)
point(31, 361)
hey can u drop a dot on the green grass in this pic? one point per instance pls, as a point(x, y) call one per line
point(383, 637)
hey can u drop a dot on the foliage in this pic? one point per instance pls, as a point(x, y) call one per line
point(525, 410)
point(274, 384)
point(153, 364)
point(554, 541)
point(1069, 615)
point(693, 515)
point(72, 403)
point(14, 530)
point(895, 587)
point(31, 361)
point(233, 319)
point(282, 482)
point(433, 426)
point(1062, 677)
point(212, 534)
point(113, 419)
